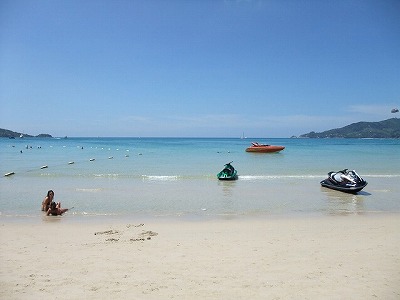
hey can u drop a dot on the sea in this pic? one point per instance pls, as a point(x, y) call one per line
point(176, 177)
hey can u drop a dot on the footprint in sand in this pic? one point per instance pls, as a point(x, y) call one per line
point(149, 233)
point(132, 225)
point(145, 235)
point(112, 240)
point(107, 232)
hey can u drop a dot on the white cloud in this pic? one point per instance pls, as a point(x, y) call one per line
point(377, 110)
point(140, 119)
point(230, 125)
point(212, 120)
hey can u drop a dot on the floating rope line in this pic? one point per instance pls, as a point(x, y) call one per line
point(59, 165)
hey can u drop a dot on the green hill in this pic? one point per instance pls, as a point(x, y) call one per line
point(12, 134)
point(384, 129)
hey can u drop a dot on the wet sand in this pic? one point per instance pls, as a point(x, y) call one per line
point(335, 257)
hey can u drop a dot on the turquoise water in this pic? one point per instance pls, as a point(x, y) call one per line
point(177, 176)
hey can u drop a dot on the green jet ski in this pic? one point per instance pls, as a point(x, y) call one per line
point(228, 173)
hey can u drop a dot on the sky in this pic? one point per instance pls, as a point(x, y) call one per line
point(205, 68)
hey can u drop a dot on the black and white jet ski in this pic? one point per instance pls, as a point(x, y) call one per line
point(344, 181)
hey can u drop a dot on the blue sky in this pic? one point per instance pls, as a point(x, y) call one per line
point(196, 68)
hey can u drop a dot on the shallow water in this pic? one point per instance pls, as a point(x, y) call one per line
point(177, 176)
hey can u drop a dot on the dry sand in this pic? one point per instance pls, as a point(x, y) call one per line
point(340, 257)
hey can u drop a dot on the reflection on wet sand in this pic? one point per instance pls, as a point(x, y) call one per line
point(339, 203)
point(228, 201)
point(51, 219)
point(227, 187)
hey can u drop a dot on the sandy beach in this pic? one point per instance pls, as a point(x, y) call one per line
point(338, 257)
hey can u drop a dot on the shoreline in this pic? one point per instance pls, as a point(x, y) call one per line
point(282, 257)
point(93, 197)
point(70, 218)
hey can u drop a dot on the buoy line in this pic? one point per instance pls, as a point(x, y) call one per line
point(46, 166)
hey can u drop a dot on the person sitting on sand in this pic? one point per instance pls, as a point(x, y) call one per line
point(55, 209)
point(47, 200)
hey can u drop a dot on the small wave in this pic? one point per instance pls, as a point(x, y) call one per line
point(269, 177)
point(106, 175)
point(89, 190)
point(383, 176)
point(94, 214)
point(161, 177)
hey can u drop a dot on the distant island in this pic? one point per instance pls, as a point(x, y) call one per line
point(389, 128)
point(12, 134)
point(384, 129)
